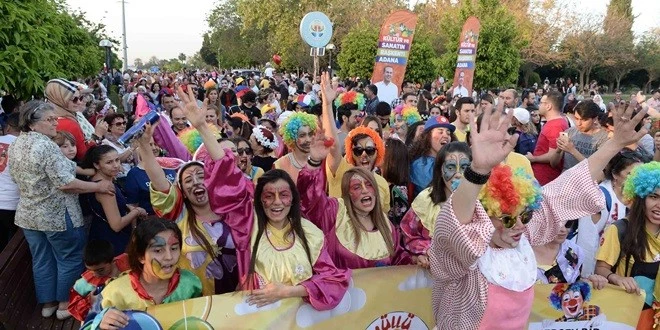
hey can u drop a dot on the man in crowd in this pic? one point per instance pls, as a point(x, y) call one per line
point(371, 94)
point(546, 145)
point(510, 98)
point(464, 107)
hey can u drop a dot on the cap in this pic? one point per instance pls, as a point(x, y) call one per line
point(439, 121)
point(522, 115)
point(239, 80)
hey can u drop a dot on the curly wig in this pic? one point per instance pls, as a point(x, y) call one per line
point(642, 181)
point(351, 97)
point(561, 288)
point(361, 132)
point(192, 140)
point(510, 192)
point(289, 128)
point(408, 113)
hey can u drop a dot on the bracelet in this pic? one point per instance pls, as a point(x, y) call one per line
point(476, 178)
point(313, 163)
point(608, 276)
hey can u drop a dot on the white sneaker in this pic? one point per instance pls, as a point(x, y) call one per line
point(62, 314)
point(48, 311)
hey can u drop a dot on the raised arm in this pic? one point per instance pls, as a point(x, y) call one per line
point(330, 128)
point(315, 204)
point(148, 161)
point(197, 117)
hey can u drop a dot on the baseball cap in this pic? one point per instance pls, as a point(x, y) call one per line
point(522, 115)
point(438, 121)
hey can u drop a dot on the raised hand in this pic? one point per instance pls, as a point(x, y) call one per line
point(148, 133)
point(491, 144)
point(320, 147)
point(624, 125)
point(195, 115)
point(327, 91)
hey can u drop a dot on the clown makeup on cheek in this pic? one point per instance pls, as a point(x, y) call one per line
point(271, 194)
point(358, 185)
point(164, 255)
point(453, 168)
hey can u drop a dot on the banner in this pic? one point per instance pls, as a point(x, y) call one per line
point(394, 42)
point(392, 298)
point(467, 57)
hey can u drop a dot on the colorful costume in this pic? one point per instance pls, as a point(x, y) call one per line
point(331, 216)
point(463, 297)
point(232, 194)
point(334, 183)
point(566, 268)
point(418, 224)
point(183, 285)
point(218, 273)
point(79, 298)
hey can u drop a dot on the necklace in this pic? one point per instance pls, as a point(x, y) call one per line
point(294, 161)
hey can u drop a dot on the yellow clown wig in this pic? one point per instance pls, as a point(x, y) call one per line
point(361, 132)
point(510, 192)
point(291, 125)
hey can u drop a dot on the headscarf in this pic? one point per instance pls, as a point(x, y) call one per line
point(59, 92)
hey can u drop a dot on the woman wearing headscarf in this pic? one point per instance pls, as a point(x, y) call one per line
point(67, 101)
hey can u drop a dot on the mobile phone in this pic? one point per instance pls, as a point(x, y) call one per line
point(563, 134)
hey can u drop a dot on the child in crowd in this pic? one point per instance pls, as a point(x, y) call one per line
point(67, 144)
point(101, 267)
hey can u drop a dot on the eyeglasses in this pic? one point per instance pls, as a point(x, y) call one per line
point(357, 151)
point(119, 124)
point(510, 221)
point(76, 99)
point(244, 151)
point(50, 120)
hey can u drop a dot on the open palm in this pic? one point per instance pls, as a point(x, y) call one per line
point(492, 144)
point(320, 148)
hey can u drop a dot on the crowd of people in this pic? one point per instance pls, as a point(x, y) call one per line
point(281, 184)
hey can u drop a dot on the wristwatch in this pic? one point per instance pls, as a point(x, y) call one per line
point(474, 177)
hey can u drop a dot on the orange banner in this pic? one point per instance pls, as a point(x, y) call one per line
point(467, 57)
point(394, 42)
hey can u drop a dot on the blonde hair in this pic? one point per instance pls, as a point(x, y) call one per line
point(381, 222)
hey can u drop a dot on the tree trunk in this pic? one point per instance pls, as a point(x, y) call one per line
point(618, 81)
point(581, 75)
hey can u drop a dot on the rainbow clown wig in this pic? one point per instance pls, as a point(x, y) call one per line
point(561, 288)
point(510, 192)
point(192, 140)
point(359, 133)
point(408, 114)
point(349, 98)
point(291, 125)
point(642, 181)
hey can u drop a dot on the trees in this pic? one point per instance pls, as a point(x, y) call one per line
point(40, 40)
point(421, 61)
point(182, 57)
point(648, 56)
point(138, 63)
point(617, 41)
point(358, 51)
point(499, 49)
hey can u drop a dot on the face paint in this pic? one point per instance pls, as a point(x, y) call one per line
point(158, 270)
point(454, 184)
point(357, 185)
point(453, 168)
point(158, 242)
point(162, 255)
point(272, 194)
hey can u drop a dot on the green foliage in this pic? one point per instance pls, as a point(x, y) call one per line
point(421, 60)
point(358, 51)
point(498, 52)
point(648, 55)
point(40, 40)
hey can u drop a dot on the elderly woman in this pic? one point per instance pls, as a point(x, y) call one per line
point(67, 101)
point(49, 211)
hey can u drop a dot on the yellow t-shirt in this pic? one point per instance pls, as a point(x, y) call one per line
point(334, 184)
point(460, 135)
point(611, 248)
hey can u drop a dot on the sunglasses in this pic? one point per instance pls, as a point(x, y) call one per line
point(76, 99)
point(357, 151)
point(244, 151)
point(510, 221)
point(570, 223)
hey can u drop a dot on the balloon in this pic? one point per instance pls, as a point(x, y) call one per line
point(277, 59)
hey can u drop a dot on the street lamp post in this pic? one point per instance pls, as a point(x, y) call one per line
point(330, 48)
point(105, 43)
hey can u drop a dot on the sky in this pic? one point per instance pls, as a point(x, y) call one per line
point(166, 28)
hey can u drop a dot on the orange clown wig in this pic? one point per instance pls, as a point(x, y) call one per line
point(361, 132)
point(510, 192)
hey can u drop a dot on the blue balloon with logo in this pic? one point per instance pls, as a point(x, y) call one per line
point(316, 29)
point(139, 320)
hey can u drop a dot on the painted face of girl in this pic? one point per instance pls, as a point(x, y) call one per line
point(276, 199)
point(363, 193)
point(453, 167)
point(162, 255)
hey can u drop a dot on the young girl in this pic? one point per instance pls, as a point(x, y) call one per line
point(154, 277)
point(67, 144)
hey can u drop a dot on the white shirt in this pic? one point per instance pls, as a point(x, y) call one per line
point(510, 268)
point(460, 90)
point(268, 72)
point(387, 92)
point(8, 189)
